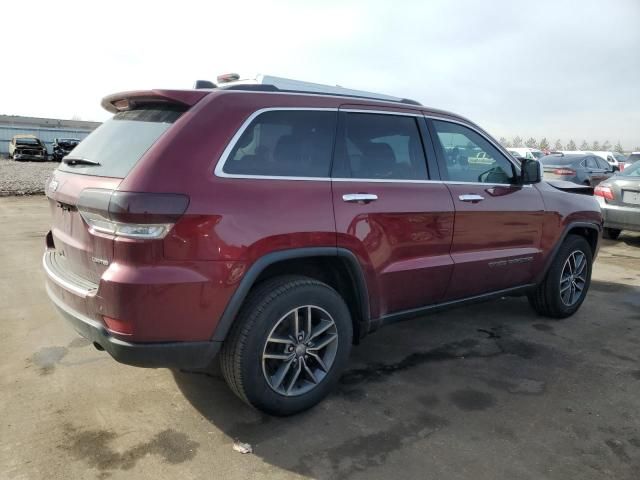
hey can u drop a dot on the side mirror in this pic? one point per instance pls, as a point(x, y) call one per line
point(530, 171)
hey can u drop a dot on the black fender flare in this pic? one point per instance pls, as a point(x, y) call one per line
point(254, 271)
point(593, 226)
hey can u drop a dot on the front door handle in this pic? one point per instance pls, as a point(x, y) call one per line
point(359, 197)
point(471, 197)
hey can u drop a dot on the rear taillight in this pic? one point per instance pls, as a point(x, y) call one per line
point(604, 192)
point(131, 214)
point(564, 171)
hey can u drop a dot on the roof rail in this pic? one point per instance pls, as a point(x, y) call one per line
point(268, 83)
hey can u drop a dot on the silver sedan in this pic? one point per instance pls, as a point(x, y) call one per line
point(619, 199)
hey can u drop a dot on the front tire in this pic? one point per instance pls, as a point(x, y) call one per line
point(288, 346)
point(566, 284)
point(611, 233)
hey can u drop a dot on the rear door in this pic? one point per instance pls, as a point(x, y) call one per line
point(595, 171)
point(397, 222)
point(605, 168)
point(498, 224)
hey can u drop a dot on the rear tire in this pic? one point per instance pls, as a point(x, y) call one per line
point(565, 286)
point(611, 233)
point(272, 360)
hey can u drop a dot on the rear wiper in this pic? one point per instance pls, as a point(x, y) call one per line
point(80, 161)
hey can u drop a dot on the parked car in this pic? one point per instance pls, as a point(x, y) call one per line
point(585, 169)
point(619, 199)
point(270, 226)
point(27, 147)
point(632, 158)
point(613, 158)
point(62, 147)
point(531, 153)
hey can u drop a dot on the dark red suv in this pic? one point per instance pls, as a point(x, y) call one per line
point(270, 228)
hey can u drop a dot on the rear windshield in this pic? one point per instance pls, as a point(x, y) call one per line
point(632, 170)
point(120, 142)
point(559, 160)
point(27, 141)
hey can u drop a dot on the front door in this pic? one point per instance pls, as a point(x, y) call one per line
point(498, 223)
point(388, 213)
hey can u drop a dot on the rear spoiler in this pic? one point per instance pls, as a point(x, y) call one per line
point(122, 101)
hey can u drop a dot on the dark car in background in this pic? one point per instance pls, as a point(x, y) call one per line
point(62, 147)
point(586, 169)
point(27, 147)
point(619, 199)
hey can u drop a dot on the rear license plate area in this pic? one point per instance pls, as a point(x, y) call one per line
point(631, 197)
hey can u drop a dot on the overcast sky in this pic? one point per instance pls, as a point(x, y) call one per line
point(560, 69)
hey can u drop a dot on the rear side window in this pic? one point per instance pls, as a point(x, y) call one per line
point(120, 142)
point(379, 146)
point(285, 143)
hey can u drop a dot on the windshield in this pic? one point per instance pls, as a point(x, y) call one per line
point(632, 170)
point(120, 142)
point(619, 157)
point(27, 141)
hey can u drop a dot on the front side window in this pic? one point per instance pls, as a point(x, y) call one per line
point(591, 163)
point(379, 147)
point(285, 143)
point(469, 157)
point(602, 164)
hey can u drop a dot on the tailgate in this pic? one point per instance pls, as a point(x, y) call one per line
point(77, 251)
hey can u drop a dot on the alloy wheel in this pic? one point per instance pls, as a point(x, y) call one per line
point(573, 278)
point(300, 350)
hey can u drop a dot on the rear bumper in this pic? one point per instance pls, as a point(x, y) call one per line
point(620, 217)
point(153, 355)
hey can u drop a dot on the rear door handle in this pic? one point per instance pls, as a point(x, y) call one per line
point(359, 197)
point(471, 197)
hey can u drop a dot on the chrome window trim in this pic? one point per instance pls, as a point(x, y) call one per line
point(218, 171)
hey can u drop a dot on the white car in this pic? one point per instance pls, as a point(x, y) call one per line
point(531, 153)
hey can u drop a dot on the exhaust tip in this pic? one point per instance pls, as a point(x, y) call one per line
point(98, 346)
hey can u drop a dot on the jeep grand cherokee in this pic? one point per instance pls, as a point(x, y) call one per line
point(270, 226)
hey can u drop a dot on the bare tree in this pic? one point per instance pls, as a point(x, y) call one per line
point(531, 143)
point(571, 145)
point(558, 145)
point(504, 142)
point(517, 141)
point(595, 146)
point(584, 145)
point(544, 144)
point(606, 146)
point(618, 148)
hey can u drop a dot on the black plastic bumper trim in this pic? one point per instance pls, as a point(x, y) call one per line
point(151, 355)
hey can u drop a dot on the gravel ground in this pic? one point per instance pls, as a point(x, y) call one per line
point(24, 178)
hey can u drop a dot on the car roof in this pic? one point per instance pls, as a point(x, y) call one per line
point(192, 96)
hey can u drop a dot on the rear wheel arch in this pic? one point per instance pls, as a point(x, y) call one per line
point(338, 268)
